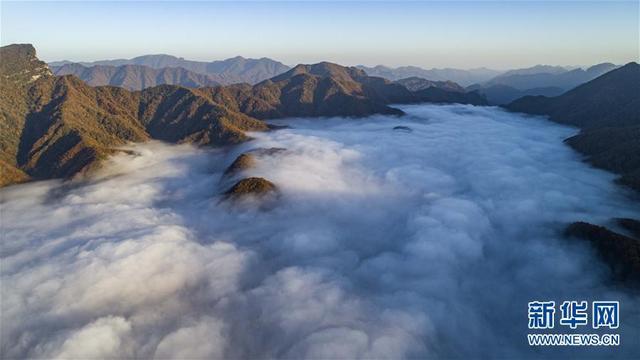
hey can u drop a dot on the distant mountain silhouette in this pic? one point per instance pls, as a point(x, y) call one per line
point(229, 71)
point(544, 76)
point(416, 83)
point(135, 77)
point(536, 69)
point(607, 109)
point(462, 77)
point(503, 94)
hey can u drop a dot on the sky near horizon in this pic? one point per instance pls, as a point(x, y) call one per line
point(462, 34)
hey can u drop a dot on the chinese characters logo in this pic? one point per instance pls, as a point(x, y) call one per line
point(541, 314)
point(604, 314)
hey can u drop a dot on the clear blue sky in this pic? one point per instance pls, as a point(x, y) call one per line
point(467, 34)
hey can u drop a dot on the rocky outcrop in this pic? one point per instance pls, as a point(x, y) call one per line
point(19, 65)
point(252, 187)
point(241, 163)
point(249, 160)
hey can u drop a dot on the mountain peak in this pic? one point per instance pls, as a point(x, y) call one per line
point(415, 83)
point(17, 49)
point(19, 64)
point(601, 65)
point(533, 70)
point(323, 69)
point(156, 56)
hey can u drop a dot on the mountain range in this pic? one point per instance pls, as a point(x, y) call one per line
point(327, 89)
point(548, 76)
point(136, 77)
point(417, 84)
point(59, 126)
point(536, 69)
point(503, 94)
point(462, 77)
point(500, 87)
point(607, 110)
point(229, 71)
point(537, 80)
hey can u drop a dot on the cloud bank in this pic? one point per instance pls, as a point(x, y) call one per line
point(384, 244)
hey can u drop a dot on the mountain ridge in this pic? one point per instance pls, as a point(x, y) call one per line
point(136, 77)
point(59, 126)
point(415, 83)
point(607, 110)
point(232, 70)
point(328, 89)
point(462, 77)
point(499, 94)
point(549, 76)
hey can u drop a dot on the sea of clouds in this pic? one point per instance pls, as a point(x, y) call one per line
point(419, 243)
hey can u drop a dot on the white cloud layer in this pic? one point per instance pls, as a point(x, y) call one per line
point(384, 244)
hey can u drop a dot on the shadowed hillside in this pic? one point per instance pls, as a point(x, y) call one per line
point(59, 126)
point(19, 68)
point(327, 89)
point(323, 89)
point(607, 109)
point(503, 94)
point(537, 80)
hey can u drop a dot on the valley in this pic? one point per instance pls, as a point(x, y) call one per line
point(376, 235)
point(318, 180)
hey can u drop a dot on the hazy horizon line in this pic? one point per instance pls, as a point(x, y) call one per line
point(370, 65)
